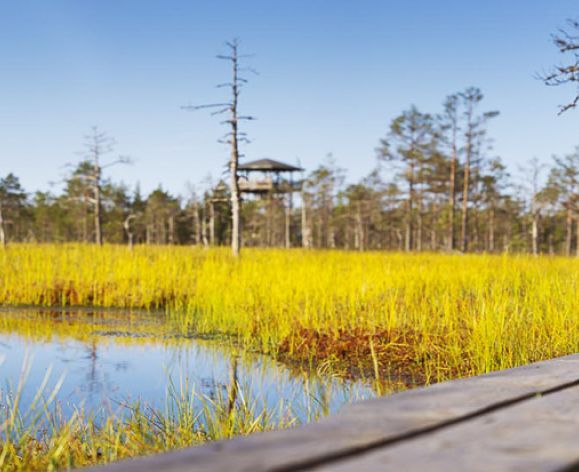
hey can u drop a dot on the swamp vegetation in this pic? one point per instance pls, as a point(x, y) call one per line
point(387, 320)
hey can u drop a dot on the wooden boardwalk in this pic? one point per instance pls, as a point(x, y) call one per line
point(524, 419)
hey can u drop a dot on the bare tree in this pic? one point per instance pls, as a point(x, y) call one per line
point(234, 137)
point(567, 41)
point(97, 145)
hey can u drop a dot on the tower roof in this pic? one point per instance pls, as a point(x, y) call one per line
point(268, 165)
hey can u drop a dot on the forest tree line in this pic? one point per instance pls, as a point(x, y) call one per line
point(436, 186)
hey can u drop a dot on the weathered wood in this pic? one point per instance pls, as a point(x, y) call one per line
point(362, 430)
point(540, 434)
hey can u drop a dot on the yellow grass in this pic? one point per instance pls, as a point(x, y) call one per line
point(439, 316)
point(39, 438)
point(420, 317)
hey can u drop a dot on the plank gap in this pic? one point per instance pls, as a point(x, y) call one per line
point(357, 451)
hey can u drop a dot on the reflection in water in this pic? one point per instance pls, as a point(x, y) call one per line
point(110, 359)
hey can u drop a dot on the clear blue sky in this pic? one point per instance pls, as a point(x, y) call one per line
point(333, 73)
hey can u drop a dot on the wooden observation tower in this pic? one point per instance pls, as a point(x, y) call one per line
point(274, 181)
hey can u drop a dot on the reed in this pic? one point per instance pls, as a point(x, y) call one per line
point(427, 316)
point(40, 437)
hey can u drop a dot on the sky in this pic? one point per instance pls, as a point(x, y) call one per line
point(332, 75)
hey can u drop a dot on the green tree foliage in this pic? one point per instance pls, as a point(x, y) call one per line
point(432, 171)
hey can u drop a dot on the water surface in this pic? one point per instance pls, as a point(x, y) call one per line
point(108, 359)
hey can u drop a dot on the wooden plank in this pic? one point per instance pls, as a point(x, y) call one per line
point(541, 434)
point(367, 425)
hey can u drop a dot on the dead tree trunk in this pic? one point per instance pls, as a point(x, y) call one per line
point(2, 232)
point(129, 230)
point(419, 224)
point(535, 234)
point(234, 182)
point(212, 223)
point(359, 228)
point(85, 211)
point(451, 107)
point(452, 197)
point(288, 221)
point(97, 145)
point(171, 224)
point(234, 160)
point(568, 230)
point(233, 387)
point(204, 237)
point(98, 219)
point(269, 220)
point(471, 98)
point(233, 138)
point(306, 227)
point(465, 195)
point(491, 244)
point(409, 237)
point(534, 171)
point(196, 224)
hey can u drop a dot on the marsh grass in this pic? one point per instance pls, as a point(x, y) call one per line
point(40, 437)
point(395, 320)
point(422, 317)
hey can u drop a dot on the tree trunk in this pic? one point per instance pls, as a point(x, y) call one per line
point(329, 223)
point(535, 233)
point(359, 229)
point(318, 225)
point(433, 239)
point(129, 230)
point(452, 197)
point(196, 224)
point(97, 213)
point(491, 247)
point(569, 230)
point(408, 238)
point(234, 160)
point(420, 224)
point(211, 223)
point(148, 235)
point(306, 228)
point(399, 239)
point(204, 237)
point(331, 235)
point(288, 221)
point(471, 128)
point(85, 234)
point(233, 387)
point(2, 232)
point(235, 198)
point(269, 220)
point(163, 227)
point(465, 192)
point(171, 229)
